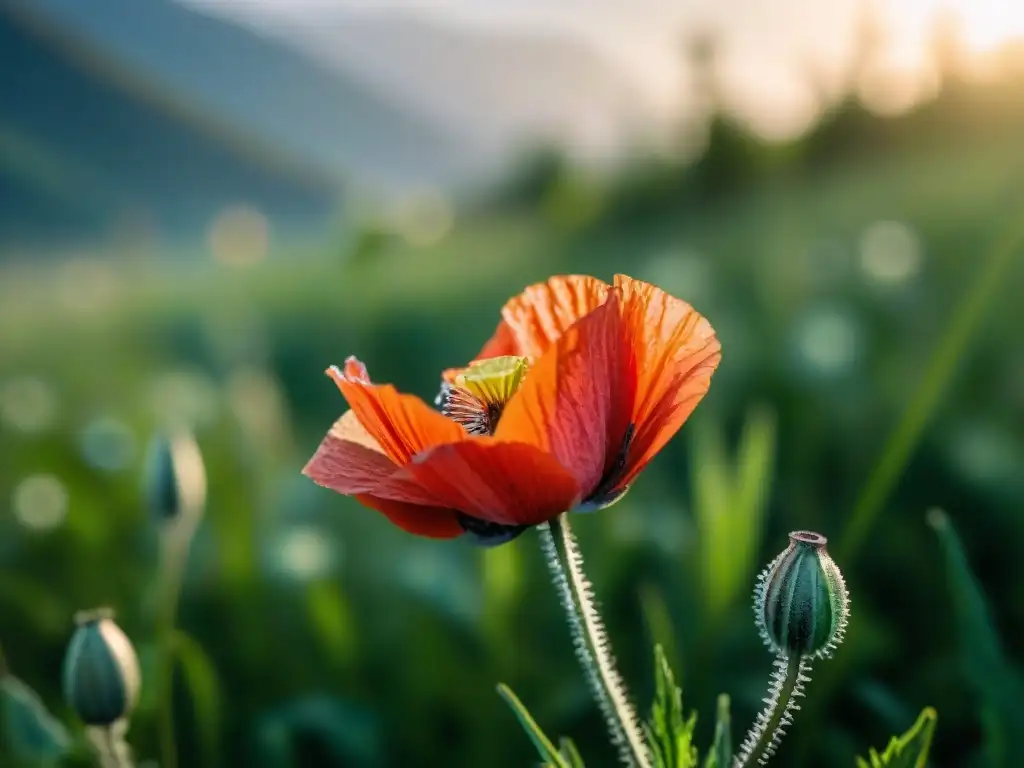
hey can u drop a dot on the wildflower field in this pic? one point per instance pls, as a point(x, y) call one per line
point(870, 389)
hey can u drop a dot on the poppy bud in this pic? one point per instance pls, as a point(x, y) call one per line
point(801, 604)
point(175, 477)
point(101, 670)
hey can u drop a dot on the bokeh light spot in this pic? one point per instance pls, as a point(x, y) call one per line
point(185, 397)
point(40, 502)
point(27, 404)
point(890, 253)
point(304, 553)
point(239, 236)
point(107, 443)
point(827, 341)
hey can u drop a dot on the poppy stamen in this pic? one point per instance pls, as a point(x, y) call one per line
point(479, 394)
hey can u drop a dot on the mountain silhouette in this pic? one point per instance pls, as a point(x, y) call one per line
point(115, 107)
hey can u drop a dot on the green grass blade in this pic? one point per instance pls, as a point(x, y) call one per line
point(541, 742)
point(996, 682)
point(205, 695)
point(568, 750)
point(730, 499)
point(720, 755)
point(926, 399)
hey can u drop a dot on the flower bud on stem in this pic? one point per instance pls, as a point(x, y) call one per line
point(175, 489)
point(801, 608)
point(101, 684)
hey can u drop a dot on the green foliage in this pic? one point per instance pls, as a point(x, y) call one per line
point(730, 500)
point(670, 731)
point(996, 683)
point(907, 751)
point(571, 755)
point(204, 694)
point(545, 748)
point(31, 733)
point(942, 364)
point(720, 754)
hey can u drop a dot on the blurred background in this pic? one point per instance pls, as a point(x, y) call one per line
point(203, 204)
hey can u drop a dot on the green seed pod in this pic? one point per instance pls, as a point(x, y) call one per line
point(101, 670)
point(801, 604)
point(175, 482)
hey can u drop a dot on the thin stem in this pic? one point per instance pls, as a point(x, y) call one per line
point(110, 745)
point(634, 750)
point(762, 740)
point(579, 641)
point(175, 545)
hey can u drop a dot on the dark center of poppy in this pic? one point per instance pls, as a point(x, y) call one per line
point(486, 533)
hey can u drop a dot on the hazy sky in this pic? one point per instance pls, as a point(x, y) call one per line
point(772, 44)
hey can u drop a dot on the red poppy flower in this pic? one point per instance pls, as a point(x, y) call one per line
point(580, 386)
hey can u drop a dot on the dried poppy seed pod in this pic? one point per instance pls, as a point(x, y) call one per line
point(175, 483)
point(801, 604)
point(101, 670)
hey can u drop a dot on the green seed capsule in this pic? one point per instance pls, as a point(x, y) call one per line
point(801, 604)
point(175, 482)
point(101, 670)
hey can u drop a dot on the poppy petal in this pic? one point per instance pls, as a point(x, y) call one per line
point(537, 317)
point(431, 522)
point(575, 401)
point(676, 352)
point(402, 425)
point(501, 482)
point(348, 459)
point(534, 319)
point(351, 462)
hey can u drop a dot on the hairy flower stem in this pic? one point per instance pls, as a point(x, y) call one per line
point(591, 642)
point(770, 726)
point(579, 637)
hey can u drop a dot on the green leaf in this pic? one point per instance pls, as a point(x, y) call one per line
point(907, 751)
point(330, 618)
point(942, 365)
point(669, 732)
point(571, 755)
point(730, 501)
point(720, 754)
point(995, 681)
point(32, 734)
point(546, 750)
point(658, 620)
point(201, 677)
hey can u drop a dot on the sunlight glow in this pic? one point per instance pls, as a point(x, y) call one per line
point(986, 24)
